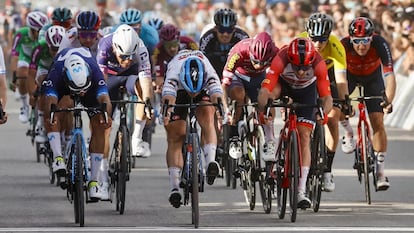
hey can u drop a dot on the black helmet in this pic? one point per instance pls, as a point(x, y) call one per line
point(225, 17)
point(319, 25)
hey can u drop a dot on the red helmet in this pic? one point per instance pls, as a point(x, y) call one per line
point(301, 52)
point(361, 27)
point(169, 32)
point(262, 48)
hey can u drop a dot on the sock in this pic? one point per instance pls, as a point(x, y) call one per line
point(23, 98)
point(139, 128)
point(210, 152)
point(40, 119)
point(329, 160)
point(303, 178)
point(175, 177)
point(348, 129)
point(269, 131)
point(97, 167)
point(55, 144)
point(380, 162)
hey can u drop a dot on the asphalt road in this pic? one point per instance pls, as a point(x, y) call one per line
point(29, 203)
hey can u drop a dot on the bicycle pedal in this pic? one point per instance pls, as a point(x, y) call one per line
point(64, 185)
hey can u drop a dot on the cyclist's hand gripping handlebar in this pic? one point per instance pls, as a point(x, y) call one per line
point(385, 104)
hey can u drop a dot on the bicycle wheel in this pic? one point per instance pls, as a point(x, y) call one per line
point(318, 164)
point(49, 159)
point(123, 173)
point(264, 186)
point(366, 154)
point(293, 175)
point(195, 180)
point(79, 198)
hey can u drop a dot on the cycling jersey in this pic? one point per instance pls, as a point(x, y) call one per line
point(238, 62)
point(172, 84)
point(108, 62)
point(160, 57)
point(217, 52)
point(54, 84)
point(378, 55)
point(282, 68)
point(70, 40)
point(23, 45)
point(41, 58)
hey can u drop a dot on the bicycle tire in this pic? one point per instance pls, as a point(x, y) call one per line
point(264, 186)
point(318, 164)
point(281, 187)
point(366, 156)
point(293, 175)
point(247, 166)
point(195, 182)
point(123, 168)
point(49, 159)
point(79, 198)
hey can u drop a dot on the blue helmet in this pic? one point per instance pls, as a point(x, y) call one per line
point(156, 23)
point(192, 75)
point(88, 20)
point(131, 16)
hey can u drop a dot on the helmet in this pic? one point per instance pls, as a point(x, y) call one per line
point(319, 25)
point(361, 27)
point(54, 36)
point(192, 75)
point(36, 20)
point(61, 14)
point(131, 16)
point(169, 32)
point(88, 20)
point(156, 23)
point(301, 52)
point(262, 48)
point(125, 40)
point(225, 17)
point(77, 74)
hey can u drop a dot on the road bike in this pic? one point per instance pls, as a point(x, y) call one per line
point(77, 164)
point(192, 176)
point(284, 172)
point(120, 160)
point(365, 158)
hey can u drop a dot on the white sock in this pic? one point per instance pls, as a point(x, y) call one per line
point(139, 128)
point(269, 131)
point(380, 162)
point(303, 179)
point(348, 128)
point(40, 119)
point(23, 98)
point(210, 152)
point(97, 167)
point(55, 144)
point(175, 177)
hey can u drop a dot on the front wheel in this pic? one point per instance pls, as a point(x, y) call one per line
point(366, 154)
point(293, 174)
point(79, 184)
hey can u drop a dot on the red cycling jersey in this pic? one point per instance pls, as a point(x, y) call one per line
point(379, 53)
point(282, 68)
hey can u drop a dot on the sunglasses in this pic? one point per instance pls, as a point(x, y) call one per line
point(361, 40)
point(228, 30)
point(126, 57)
point(87, 34)
point(258, 62)
point(319, 39)
point(303, 68)
point(65, 24)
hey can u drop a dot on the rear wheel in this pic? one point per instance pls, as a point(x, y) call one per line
point(318, 165)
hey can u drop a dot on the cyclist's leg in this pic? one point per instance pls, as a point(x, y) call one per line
point(22, 73)
point(348, 142)
point(237, 93)
point(40, 128)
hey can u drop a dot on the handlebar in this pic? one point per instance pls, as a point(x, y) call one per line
point(79, 108)
point(166, 105)
point(285, 102)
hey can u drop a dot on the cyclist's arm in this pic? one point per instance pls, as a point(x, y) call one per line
point(323, 84)
point(339, 57)
point(390, 86)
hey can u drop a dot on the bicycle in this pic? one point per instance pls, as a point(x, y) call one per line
point(365, 159)
point(249, 167)
point(192, 176)
point(120, 159)
point(284, 172)
point(77, 167)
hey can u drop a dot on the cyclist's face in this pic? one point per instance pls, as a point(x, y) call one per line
point(87, 38)
point(320, 43)
point(361, 45)
point(224, 35)
point(172, 47)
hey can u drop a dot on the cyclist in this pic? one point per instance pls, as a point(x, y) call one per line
point(156, 23)
point(86, 33)
point(42, 57)
point(190, 75)
point(133, 17)
point(243, 73)
point(75, 71)
point(299, 71)
point(3, 87)
point(318, 28)
point(23, 44)
point(124, 60)
point(61, 16)
point(370, 64)
point(217, 41)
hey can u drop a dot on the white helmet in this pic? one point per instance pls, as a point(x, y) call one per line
point(54, 36)
point(36, 20)
point(125, 40)
point(77, 73)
